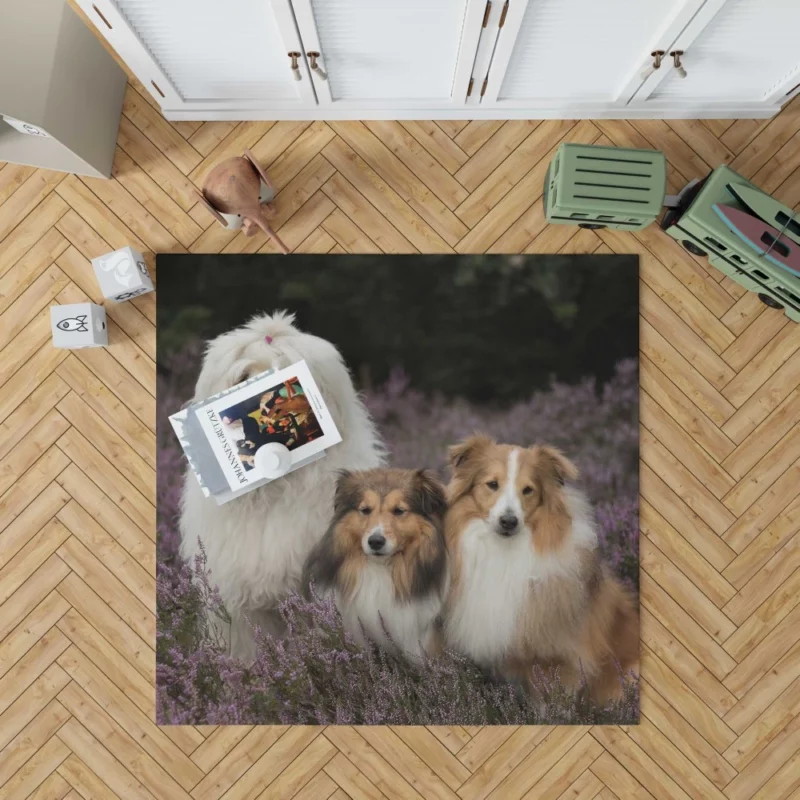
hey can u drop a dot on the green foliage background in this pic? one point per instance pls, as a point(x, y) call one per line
point(476, 326)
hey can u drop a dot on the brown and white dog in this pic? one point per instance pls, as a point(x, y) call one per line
point(383, 557)
point(526, 583)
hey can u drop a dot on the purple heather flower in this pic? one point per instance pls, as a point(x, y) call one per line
point(318, 675)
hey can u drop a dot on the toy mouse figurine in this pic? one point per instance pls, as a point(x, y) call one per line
point(238, 192)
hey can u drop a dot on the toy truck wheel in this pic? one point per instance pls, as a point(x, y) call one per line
point(693, 248)
point(592, 226)
point(769, 301)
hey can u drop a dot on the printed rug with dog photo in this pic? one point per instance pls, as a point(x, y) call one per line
point(398, 490)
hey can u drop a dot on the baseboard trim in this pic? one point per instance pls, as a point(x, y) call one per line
point(742, 111)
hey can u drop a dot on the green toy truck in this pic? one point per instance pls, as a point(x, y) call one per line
point(612, 187)
point(605, 187)
point(695, 224)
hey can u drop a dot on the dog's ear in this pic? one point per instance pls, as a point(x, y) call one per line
point(237, 372)
point(464, 458)
point(322, 565)
point(428, 494)
point(556, 464)
point(465, 451)
point(348, 492)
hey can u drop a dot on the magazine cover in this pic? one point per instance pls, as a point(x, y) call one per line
point(283, 407)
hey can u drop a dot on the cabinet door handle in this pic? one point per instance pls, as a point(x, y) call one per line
point(295, 66)
point(102, 17)
point(657, 56)
point(676, 61)
point(313, 56)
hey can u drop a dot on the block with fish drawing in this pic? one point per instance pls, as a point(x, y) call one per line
point(122, 274)
point(78, 325)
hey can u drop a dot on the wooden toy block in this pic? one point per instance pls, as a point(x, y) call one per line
point(78, 325)
point(122, 274)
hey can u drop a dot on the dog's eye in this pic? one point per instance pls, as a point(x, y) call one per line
point(366, 511)
point(527, 490)
point(398, 512)
point(493, 485)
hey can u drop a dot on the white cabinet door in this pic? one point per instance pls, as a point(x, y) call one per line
point(387, 54)
point(734, 51)
point(572, 53)
point(209, 54)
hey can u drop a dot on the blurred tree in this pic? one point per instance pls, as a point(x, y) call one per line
point(483, 327)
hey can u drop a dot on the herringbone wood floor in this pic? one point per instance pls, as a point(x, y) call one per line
point(720, 470)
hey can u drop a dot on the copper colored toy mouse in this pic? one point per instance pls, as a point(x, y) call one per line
point(233, 187)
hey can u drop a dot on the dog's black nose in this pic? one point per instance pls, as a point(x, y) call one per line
point(508, 523)
point(376, 541)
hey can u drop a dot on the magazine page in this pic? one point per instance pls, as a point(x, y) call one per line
point(285, 407)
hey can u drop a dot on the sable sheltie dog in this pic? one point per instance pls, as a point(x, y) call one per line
point(383, 557)
point(526, 583)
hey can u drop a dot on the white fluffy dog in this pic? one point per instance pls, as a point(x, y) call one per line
point(256, 544)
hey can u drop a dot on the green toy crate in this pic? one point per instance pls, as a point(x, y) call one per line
point(605, 187)
point(696, 225)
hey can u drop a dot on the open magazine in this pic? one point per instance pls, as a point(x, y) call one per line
point(222, 434)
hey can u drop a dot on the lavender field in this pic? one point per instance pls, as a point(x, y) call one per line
point(318, 675)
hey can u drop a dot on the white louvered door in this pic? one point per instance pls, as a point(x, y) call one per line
point(215, 54)
point(737, 50)
point(557, 53)
point(440, 59)
point(387, 54)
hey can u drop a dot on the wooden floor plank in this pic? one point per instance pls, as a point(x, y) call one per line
point(677, 730)
point(682, 625)
point(680, 553)
point(475, 134)
point(120, 746)
point(30, 267)
point(437, 143)
point(102, 763)
point(91, 571)
point(781, 566)
point(25, 199)
point(394, 198)
point(610, 772)
point(634, 759)
point(299, 152)
point(365, 218)
point(494, 192)
point(12, 176)
point(720, 473)
point(159, 131)
point(760, 404)
point(30, 629)
point(684, 519)
point(37, 770)
point(493, 152)
point(684, 412)
point(427, 169)
point(148, 193)
point(683, 446)
point(156, 164)
point(25, 539)
point(209, 135)
point(766, 139)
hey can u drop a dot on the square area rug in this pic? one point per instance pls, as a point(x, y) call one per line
point(460, 546)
